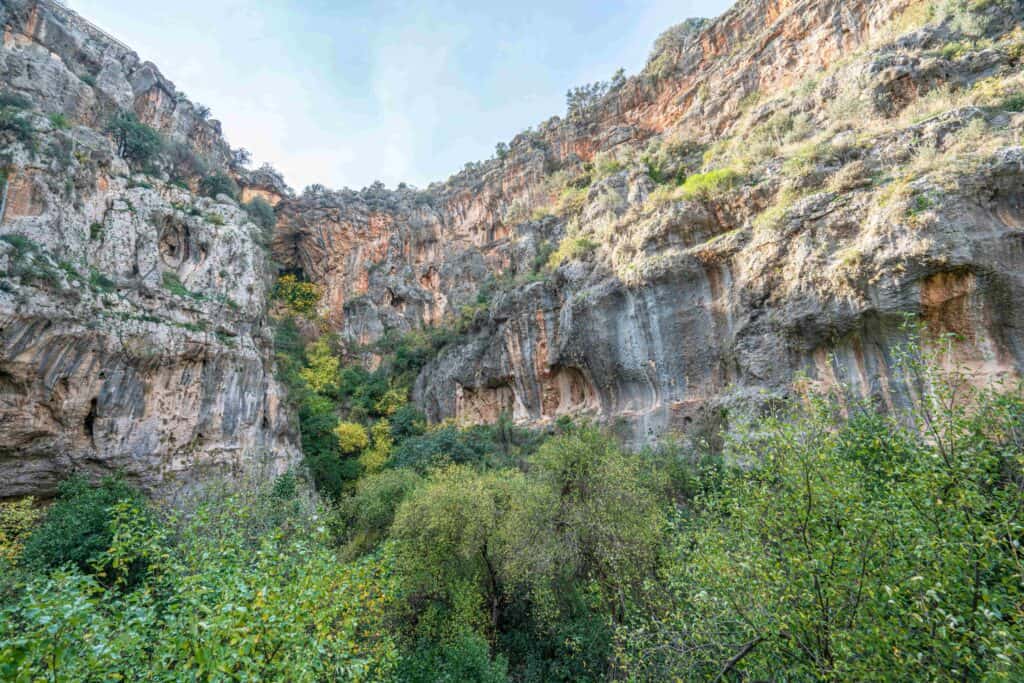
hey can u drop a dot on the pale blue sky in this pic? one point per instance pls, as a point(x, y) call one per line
point(345, 93)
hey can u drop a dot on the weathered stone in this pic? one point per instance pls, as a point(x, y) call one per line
point(132, 313)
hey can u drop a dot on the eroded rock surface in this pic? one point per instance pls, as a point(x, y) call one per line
point(133, 331)
point(876, 175)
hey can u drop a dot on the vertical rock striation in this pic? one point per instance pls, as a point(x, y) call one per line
point(133, 331)
point(683, 309)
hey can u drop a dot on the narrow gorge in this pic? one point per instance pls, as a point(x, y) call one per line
point(135, 330)
point(716, 376)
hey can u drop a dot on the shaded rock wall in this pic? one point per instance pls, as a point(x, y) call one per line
point(133, 331)
point(689, 309)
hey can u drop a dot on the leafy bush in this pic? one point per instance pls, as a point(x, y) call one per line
point(59, 121)
point(363, 519)
point(300, 297)
point(606, 164)
point(589, 515)
point(463, 657)
point(571, 247)
point(247, 587)
point(376, 457)
point(352, 437)
point(15, 123)
point(711, 184)
point(446, 443)
point(101, 282)
point(77, 527)
point(17, 520)
point(406, 422)
point(262, 214)
point(136, 142)
point(218, 183)
point(853, 546)
point(321, 371)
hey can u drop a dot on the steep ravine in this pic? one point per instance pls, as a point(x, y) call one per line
point(775, 195)
point(866, 173)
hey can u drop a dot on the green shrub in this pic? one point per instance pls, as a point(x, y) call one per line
point(301, 298)
point(710, 185)
point(76, 528)
point(59, 121)
point(571, 247)
point(406, 422)
point(219, 183)
point(352, 437)
point(363, 519)
point(262, 214)
point(18, 519)
point(1013, 103)
point(136, 142)
point(95, 231)
point(849, 546)
point(22, 245)
point(448, 443)
point(245, 587)
point(174, 285)
point(15, 123)
point(101, 282)
point(462, 658)
point(606, 164)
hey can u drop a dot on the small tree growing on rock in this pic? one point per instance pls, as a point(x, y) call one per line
point(136, 143)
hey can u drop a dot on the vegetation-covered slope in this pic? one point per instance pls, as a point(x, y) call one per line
point(837, 491)
point(827, 542)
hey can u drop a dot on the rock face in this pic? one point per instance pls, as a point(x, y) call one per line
point(849, 165)
point(857, 171)
point(132, 312)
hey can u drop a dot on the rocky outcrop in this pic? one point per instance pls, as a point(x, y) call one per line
point(849, 166)
point(834, 223)
point(361, 246)
point(133, 330)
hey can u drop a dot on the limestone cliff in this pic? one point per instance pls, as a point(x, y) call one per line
point(132, 311)
point(846, 162)
point(772, 196)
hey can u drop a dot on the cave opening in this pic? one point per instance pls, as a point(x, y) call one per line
point(89, 424)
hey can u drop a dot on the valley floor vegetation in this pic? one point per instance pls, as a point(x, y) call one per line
point(825, 541)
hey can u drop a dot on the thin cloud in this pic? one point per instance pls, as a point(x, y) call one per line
point(343, 94)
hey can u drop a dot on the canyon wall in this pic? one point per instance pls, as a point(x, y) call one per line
point(133, 333)
point(773, 198)
point(679, 306)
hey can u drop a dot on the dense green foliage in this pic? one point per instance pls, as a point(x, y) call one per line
point(828, 541)
point(17, 125)
point(136, 142)
point(76, 529)
point(301, 298)
point(860, 547)
point(217, 184)
point(246, 588)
